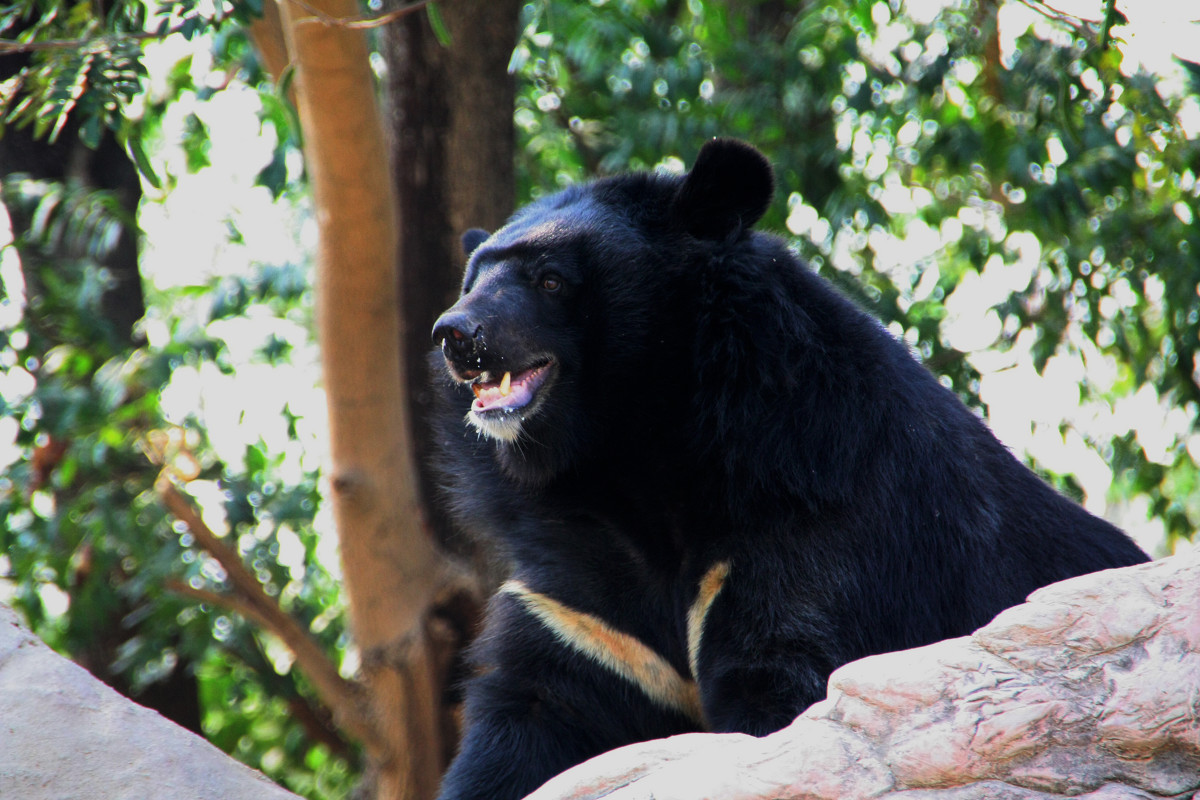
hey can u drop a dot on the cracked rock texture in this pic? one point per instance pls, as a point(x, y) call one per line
point(1091, 689)
point(65, 735)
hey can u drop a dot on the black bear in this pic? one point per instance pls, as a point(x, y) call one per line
point(715, 478)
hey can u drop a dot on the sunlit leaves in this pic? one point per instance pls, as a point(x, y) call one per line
point(911, 152)
point(91, 77)
point(88, 544)
point(64, 218)
point(258, 724)
point(85, 541)
point(83, 62)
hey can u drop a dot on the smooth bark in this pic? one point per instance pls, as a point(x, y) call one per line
point(392, 571)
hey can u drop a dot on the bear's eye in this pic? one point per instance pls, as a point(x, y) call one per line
point(550, 282)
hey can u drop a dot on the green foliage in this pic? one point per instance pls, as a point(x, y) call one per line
point(91, 552)
point(256, 724)
point(93, 79)
point(891, 135)
point(84, 60)
point(67, 218)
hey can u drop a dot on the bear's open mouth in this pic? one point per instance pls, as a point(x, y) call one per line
point(511, 391)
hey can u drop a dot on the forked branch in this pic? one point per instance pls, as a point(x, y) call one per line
point(346, 699)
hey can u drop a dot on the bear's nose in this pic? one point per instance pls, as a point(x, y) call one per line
point(459, 335)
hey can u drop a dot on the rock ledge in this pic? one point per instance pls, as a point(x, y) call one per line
point(1088, 690)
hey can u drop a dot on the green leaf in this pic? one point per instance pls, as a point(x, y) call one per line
point(1192, 70)
point(440, 31)
point(196, 143)
point(91, 131)
point(133, 145)
point(274, 175)
point(256, 459)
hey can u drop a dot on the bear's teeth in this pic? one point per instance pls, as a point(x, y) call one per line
point(475, 387)
point(506, 385)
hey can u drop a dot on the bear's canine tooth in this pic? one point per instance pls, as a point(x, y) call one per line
point(506, 385)
point(475, 387)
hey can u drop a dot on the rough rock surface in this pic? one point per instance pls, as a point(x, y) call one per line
point(1091, 689)
point(65, 735)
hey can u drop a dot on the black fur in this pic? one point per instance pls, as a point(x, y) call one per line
point(472, 239)
point(712, 400)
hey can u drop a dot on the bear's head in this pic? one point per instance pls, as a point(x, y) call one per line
point(572, 317)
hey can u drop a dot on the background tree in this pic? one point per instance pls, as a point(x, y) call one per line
point(1014, 200)
point(450, 101)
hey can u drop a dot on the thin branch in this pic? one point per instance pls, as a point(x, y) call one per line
point(266, 33)
point(93, 44)
point(346, 699)
point(987, 20)
point(229, 602)
point(313, 719)
point(1073, 21)
point(1110, 15)
point(362, 21)
point(11, 47)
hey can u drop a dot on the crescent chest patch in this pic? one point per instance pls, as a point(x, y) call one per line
point(625, 655)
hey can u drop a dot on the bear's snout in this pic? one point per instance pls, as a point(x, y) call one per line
point(460, 336)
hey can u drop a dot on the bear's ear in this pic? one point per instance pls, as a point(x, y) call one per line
point(472, 239)
point(730, 186)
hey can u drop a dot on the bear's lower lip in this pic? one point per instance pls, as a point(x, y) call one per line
point(513, 392)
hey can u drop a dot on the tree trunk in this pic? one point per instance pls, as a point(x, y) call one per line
point(451, 109)
point(392, 571)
